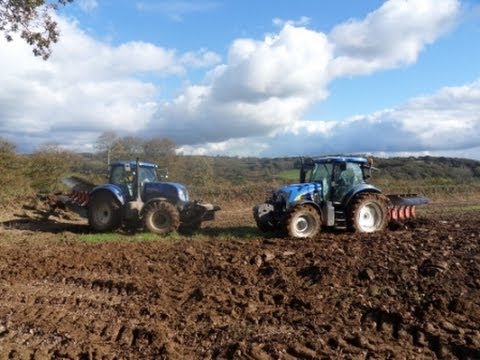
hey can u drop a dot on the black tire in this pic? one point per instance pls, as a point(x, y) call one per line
point(303, 222)
point(104, 212)
point(161, 217)
point(368, 212)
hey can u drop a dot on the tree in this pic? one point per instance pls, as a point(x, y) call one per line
point(158, 147)
point(13, 182)
point(33, 21)
point(6, 146)
point(105, 143)
point(161, 151)
point(127, 148)
point(48, 165)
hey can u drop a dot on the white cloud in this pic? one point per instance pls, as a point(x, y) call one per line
point(176, 9)
point(88, 5)
point(446, 121)
point(266, 86)
point(200, 59)
point(253, 104)
point(391, 36)
point(303, 21)
point(86, 87)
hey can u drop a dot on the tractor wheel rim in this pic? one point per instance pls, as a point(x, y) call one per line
point(102, 214)
point(369, 217)
point(160, 220)
point(302, 225)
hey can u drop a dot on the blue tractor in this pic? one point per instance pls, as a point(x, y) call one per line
point(134, 196)
point(332, 193)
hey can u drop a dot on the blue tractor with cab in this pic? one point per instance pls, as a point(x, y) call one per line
point(333, 193)
point(134, 196)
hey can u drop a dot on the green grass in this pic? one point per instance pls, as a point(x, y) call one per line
point(112, 237)
point(233, 233)
point(291, 175)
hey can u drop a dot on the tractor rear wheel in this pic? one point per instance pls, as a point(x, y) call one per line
point(368, 213)
point(303, 222)
point(104, 212)
point(161, 217)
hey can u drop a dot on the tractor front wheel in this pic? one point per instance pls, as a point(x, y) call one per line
point(368, 213)
point(104, 212)
point(161, 217)
point(303, 222)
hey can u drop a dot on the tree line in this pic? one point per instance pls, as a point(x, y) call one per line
point(43, 170)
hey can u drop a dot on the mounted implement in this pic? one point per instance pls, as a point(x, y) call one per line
point(333, 193)
point(134, 196)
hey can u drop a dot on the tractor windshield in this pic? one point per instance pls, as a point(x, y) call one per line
point(147, 174)
point(345, 177)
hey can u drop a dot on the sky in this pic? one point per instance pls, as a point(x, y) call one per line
point(253, 78)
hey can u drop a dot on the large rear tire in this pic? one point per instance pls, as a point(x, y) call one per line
point(161, 217)
point(104, 212)
point(368, 213)
point(303, 222)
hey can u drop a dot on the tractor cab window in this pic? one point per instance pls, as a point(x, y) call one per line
point(348, 174)
point(122, 176)
point(119, 175)
point(321, 171)
point(322, 174)
point(345, 177)
point(147, 174)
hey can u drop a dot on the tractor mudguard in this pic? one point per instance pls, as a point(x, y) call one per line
point(115, 190)
point(357, 190)
point(305, 202)
point(154, 200)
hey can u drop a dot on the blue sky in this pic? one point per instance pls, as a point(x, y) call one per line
point(242, 78)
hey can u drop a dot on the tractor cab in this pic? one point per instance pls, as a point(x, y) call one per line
point(123, 174)
point(336, 175)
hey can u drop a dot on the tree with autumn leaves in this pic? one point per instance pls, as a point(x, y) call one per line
point(33, 21)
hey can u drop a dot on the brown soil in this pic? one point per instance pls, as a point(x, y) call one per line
point(411, 292)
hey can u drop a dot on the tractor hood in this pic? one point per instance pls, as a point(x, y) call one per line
point(169, 190)
point(297, 192)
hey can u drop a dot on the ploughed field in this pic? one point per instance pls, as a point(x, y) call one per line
point(230, 292)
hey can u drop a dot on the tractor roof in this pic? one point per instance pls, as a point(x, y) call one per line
point(132, 163)
point(338, 159)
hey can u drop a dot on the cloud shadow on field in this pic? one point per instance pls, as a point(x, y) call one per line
point(48, 226)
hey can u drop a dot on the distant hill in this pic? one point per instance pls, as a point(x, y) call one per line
point(439, 169)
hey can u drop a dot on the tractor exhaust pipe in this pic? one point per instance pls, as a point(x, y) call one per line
point(138, 184)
